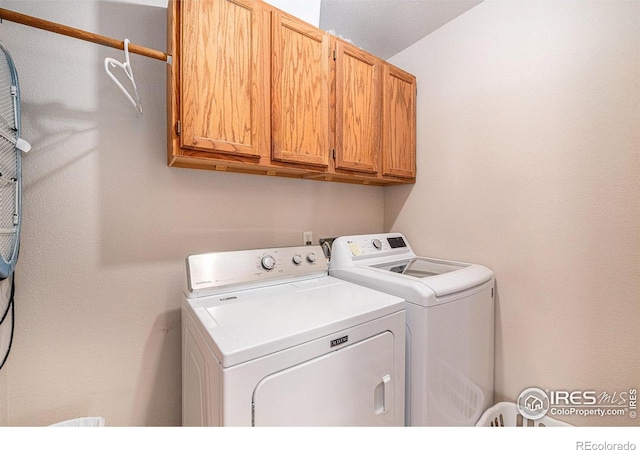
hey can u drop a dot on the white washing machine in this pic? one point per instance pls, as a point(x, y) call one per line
point(450, 324)
point(270, 339)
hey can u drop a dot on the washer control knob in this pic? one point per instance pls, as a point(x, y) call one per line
point(311, 257)
point(297, 259)
point(268, 262)
point(377, 244)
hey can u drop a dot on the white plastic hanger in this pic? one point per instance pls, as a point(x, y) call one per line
point(126, 66)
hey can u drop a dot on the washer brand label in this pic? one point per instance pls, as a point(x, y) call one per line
point(340, 340)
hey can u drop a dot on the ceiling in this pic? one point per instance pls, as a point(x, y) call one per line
point(386, 27)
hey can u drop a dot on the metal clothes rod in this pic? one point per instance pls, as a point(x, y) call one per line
point(42, 24)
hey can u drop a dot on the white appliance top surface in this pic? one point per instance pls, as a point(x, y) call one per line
point(386, 261)
point(250, 323)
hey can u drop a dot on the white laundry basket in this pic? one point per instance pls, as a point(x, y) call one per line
point(506, 414)
point(81, 422)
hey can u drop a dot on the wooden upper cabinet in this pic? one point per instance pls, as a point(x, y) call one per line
point(224, 79)
point(253, 89)
point(358, 103)
point(299, 92)
point(399, 123)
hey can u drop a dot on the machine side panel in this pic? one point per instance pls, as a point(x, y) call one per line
point(200, 378)
point(452, 373)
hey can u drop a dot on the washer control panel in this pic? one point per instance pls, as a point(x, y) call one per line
point(217, 271)
point(347, 250)
point(375, 246)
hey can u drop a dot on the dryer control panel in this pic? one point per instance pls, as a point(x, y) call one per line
point(216, 272)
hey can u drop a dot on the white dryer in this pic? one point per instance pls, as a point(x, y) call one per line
point(270, 339)
point(450, 324)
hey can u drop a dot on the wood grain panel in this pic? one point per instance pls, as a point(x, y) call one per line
point(398, 124)
point(173, 80)
point(243, 70)
point(224, 93)
point(358, 101)
point(300, 92)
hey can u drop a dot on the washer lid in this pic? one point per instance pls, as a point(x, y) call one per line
point(421, 267)
point(442, 277)
point(248, 324)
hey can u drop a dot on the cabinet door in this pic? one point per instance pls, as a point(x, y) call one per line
point(224, 82)
point(299, 92)
point(358, 102)
point(399, 123)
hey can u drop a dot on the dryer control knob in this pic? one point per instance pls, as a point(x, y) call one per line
point(297, 260)
point(268, 262)
point(311, 257)
point(377, 244)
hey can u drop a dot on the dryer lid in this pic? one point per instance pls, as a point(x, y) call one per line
point(252, 323)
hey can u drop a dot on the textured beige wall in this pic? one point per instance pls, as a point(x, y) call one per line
point(107, 225)
point(3, 398)
point(529, 162)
